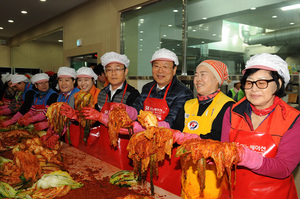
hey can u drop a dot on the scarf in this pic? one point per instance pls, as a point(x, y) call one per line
point(266, 111)
point(207, 98)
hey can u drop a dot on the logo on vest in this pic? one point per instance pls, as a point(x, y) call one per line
point(193, 125)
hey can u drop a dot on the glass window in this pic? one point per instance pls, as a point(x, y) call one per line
point(230, 31)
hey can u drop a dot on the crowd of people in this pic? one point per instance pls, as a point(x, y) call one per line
point(252, 115)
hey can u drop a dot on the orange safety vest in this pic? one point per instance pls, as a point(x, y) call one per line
point(265, 140)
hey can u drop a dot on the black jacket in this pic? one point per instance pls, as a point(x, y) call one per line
point(130, 95)
point(177, 95)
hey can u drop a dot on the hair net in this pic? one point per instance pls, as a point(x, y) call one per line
point(165, 55)
point(270, 62)
point(66, 72)
point(6, 77)
point(18, 78)
point(112, 57)
point(87, 72)
point(40, 77)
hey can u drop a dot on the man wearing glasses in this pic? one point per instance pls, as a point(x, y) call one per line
point(117, 93)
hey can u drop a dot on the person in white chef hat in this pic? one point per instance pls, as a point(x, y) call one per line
point(67, 86)
point(21, 84)
point(8, 93)
point(43, 98)
point(267, 131)
point(117, 93)
point(86, 79)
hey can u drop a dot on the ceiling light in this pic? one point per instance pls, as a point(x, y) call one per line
point(164, 35)
point(60, 40)
point(292, 7)
point(214, 34)
point(43, 0)
point(24, 12)
point(292, 23)
point(141, 39)
point(253, 8)
point(1, 28)
point(274, 17)
point(137, 8)
point(194, 30)
point(175, 10)
point(170, 25)
point(141, 31)
point(11, 21)
point(204, 18)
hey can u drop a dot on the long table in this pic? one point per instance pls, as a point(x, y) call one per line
point(81, 163)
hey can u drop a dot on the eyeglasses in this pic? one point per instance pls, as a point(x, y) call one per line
point(164, 68)
point(117, 70)
point(261, 84)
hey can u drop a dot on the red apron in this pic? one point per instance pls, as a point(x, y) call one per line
point(76, 130)
point(98, 143)
point(169, 171)
point(252, 185)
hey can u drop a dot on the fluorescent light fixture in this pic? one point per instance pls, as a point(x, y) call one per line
point(1, 28)
point(253, 8)
point(204, 18)
point(274, 17)
point(24, 12)
point(292, 23)
point(60, 40)
point(170, 25)
point(11, 21)
point(292, 7)
point(43, 0)
point(175, 10)
point(137, 8)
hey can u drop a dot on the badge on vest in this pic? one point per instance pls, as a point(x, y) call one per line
point(193, 125)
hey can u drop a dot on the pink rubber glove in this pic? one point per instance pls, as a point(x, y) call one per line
point(38, 117)
point(137, 127)
point(24, 120)
point(92, 114)
point(5, 111)
point(3, 107)
point(41, 125)
point(51, 141)
point(164, 124)
point(132, 113)
point(250, 159)
point(12, 120)
point(182, 137)
point(68, 111)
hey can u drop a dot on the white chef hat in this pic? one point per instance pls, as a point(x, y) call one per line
point(270, 62)
point(113, 57)
point(87, 72)
point(18, 78)
point(165, 55)
point(40, 77)
point(6, 77)
point(66, 72)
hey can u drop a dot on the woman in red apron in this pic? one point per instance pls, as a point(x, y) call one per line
point(45, 97)
point(267, 131)
point(116, 93)
point(66, 82)
point(86, 78)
